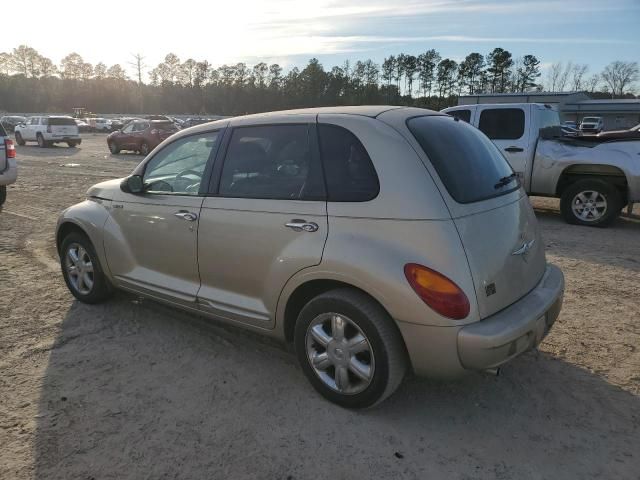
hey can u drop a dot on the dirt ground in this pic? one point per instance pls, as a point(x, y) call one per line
point(132, 389)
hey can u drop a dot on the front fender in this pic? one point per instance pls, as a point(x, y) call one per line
point(90, 217)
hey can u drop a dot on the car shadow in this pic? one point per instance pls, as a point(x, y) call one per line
point(57, 150)
point(134, 389)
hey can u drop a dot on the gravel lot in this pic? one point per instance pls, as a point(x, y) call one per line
point(132, 389)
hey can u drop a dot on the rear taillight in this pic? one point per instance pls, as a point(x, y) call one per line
point(10, 148)
point(437, 291)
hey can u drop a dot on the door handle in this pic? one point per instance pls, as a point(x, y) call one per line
point(514, 149)
point(184, 215)
point(301, 225)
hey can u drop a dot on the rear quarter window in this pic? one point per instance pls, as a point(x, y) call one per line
point(3, 132)
point(502, 123)
point(468, 163)
point(349, 172)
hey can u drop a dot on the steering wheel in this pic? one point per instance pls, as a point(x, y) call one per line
point(184, 173)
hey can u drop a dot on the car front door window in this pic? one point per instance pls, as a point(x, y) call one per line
point(179, 167)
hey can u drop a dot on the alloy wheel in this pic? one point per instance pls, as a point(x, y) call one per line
point(589, 205)
point(79, 268)
point(340, 353)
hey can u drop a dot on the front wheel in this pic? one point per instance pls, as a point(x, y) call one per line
point(82, 271)
point(19, 140)
point(349, 348)
point(113, 148)
point(41, 141)
point(594, 203)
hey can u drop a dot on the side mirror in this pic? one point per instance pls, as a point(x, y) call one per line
point(132, 184)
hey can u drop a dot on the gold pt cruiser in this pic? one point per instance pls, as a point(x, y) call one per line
point(377, 239)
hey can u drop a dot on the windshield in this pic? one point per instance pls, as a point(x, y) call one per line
point(590, 119)
point(636, 128)
point(468, 163)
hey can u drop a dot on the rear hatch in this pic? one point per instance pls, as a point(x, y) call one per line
point(493, 216)
point(62, 126)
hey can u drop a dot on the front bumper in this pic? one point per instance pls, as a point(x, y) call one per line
point(450, 352)
point(514, 330)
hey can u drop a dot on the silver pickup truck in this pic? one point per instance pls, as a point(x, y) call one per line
point(8, 165)
point(593, 179)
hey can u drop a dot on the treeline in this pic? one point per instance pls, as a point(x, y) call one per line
point(31, 82)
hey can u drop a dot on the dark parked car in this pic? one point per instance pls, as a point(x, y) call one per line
point(141, 136)
point(633, 132)
point(10, 122)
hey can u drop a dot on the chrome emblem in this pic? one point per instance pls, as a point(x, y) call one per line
point(524, 249)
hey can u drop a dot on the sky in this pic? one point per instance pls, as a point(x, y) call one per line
point(289, 32)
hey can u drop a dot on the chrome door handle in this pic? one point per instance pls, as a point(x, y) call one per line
point(184, 215)
point(301, 225)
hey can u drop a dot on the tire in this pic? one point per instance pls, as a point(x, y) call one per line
point(383, 364)
point(601, 200)
point(72, 144)
point(3, 194)
point(144, 149)
point(113, 148)
point(19, 140)
point(101, 289)
point(41, 141)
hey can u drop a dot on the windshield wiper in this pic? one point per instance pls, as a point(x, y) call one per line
point(505, 180)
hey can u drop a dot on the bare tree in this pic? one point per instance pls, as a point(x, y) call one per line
point(592, 82)
point(139, 65)
point(619, 76)
point(554, 75)
point(564, 77)
point(577, 74)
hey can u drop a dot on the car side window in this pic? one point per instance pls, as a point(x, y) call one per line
point(461, 115)
point(271, 162)
point(502, 123)
point(128, 128)
point(179, 167)
point(349, 172)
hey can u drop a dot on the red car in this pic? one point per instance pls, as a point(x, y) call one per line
point(140, 136)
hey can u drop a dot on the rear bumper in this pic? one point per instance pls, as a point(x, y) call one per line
point(450, 352)
point(9, 175)
point(514, 330)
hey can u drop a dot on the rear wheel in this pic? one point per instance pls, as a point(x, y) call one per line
point(72, 144)
point(594, 203)
point(82, 271)
point(41, 141)
point(19, 140)
point(144, 149)
point(349, 348)
point(3, 194)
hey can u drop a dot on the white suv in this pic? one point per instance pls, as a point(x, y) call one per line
point(8, 165)
point(49, 130)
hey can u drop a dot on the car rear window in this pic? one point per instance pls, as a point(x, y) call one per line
point(61, 121)
point(166, 126)
point(468, 163)
point(461, 114)
point(502, 123)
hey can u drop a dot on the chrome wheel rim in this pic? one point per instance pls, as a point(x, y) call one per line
point(340, 353)
point(79, 268)
point(589, 205)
